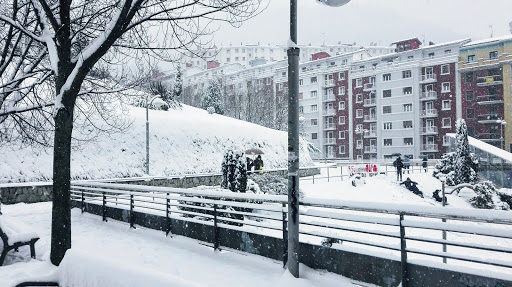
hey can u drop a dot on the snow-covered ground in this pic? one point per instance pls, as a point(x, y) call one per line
point(183, 141)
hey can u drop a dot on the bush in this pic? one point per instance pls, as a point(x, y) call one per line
point(445, 168)
point(488, 197)
point(272, 184)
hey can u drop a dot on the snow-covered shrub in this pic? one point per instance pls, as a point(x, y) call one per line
point(328, 242)
point(272, 184)
point(466, 164)
point(234, 171)
point(488, 197)
point(445, 168)
point(212, 97)
point(506, 198)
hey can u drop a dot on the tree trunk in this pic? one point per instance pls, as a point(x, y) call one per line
point(61, 209)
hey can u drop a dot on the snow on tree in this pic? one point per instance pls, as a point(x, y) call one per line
point(212, 97)
point(177, 89)
point(234, 171)
point(446, 168)
point(488, 197)
point(465, 164)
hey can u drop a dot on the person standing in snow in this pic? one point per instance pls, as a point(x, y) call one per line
point(407, 163)
point(258, 163)
point(399, 164)
point(424, 163)
point(250, 164)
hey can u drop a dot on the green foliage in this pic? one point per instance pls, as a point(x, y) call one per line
point(446, 168)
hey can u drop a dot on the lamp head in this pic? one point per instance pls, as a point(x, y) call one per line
point(334, 3)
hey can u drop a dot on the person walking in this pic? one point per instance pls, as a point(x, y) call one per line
point(250, 164)
point(424, 163)
point(258, 163)
point(398, 164)
point(407, 163)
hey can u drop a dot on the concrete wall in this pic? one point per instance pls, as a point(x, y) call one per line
point(370, 269)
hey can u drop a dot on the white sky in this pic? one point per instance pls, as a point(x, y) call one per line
point(381, 21)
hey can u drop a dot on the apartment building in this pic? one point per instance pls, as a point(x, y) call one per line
point(485, 71)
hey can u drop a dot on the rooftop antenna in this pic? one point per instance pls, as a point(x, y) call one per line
point(323, 38)
point(490, 26)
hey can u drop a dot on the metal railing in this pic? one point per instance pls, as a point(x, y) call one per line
point(489, 98)
point(370, 102)
point(429, 77)
point(429, 147)
point(369, 87)
point(370, 118)
point(429, 113)
point(430, 95)
point(329, 83)
point(405, 232)
point(329, 97)
point(489, 80)
point(428, 130)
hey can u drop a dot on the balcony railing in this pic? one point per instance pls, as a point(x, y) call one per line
point(370, 102)
point(370, 149)
point(430, 95)
point(330, 141)
point(330, 111)
point(429, 130)
point(428, 78)
point(429, 147)
point(370, 134)
point(329, 126)
point(429, 113)
point(370, 118)
point(329, 83)
point(489, 99)
point(489, 81)
point(329, 97)
point(489, 118)
point(369, 87)
point(489, 136)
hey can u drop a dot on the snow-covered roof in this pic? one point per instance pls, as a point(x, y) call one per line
point(487, 147)
point(489, 41)
point(466, 40)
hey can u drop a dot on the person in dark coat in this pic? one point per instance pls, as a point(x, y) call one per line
point(258, 163)
point(250, 164)
point(438, 198)
point(399, 164)
point(411, 185)
point(424, 164)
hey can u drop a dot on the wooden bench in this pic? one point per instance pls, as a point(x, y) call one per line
point(15, 234)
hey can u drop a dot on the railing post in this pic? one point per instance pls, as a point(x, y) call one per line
point(403, 251)
point(215, 228)
point(167, 213)
point(386, 165)
point(444, 219)
point(83, 202)
point(132, 215)
point(285, 236)
point(104, 209)
point(341, 172)
point(313, 179)
point(328, 179)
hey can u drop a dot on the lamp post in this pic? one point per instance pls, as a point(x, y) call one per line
point(293, 137)
point(147, 129)
point(502, 123)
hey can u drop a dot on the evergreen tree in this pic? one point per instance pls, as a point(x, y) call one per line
point(446, 168)
point(234, 171)
point(178, 85)
point(212, 97)
point(465, 163)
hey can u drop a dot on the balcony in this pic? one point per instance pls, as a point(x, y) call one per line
point(330, 141)
point(370, 134)
point(428, 78)
point(427, 96)
point(487, 118)
point(329, 112)
point(329, 97)
point(489, 137)
point(428, 113)
point(370, 102)
point(489, 81)
point(429, 130)
point(370, 149)
point(329, 83)
point(369, 87)
point(330, 126)
point(489, 99)
point(370, 118)
point(429, 148)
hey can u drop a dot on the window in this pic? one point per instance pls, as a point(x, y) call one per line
point(359, 144)
point(359, 113)
point(344, 62)
point(445, 69)
point(359, 82)
point(470, 113)
point(386, 77)
point(333, 64)
point(447, 105)
point(410, 57)
point(236, 58)
point(314, 136)
point(314, 108)
point(279, 87)
point(341, 105)
point(447, 122)
point(446, 87)
point(341, 120)
point(388, 126)
point(493, 55)
point(446, 140)
point(341, 91)
point(407, 108)
point(407, 124)
point(406, 74)
point(469, 96)
point(341, 149)
point(386, 93)
point(314, 122)
point(313, 80)
point(386, 109)
point(301, 96)
point(314, 94)
point(388, 142)
point(301, 82)
point(469, 77)
point(227, 59)
point(471, 131)
point(341, 76)
point(301, 109)
point(447, 52)
point(341, 135)
point(471, 58)
point(431, 55)
point(408, 141)
point(359, 98)
point(407, 90)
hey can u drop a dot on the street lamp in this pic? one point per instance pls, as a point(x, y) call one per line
point(502, 123)
point(293, 137)
point(147, 129)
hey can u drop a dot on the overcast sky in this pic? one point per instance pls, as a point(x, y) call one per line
point(381, 21)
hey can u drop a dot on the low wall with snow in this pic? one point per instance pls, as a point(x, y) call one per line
point(40, 192)
point(362, 267)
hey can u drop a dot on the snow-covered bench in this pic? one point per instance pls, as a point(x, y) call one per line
point(15, 234)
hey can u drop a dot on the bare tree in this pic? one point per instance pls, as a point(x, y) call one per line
point(75, 37)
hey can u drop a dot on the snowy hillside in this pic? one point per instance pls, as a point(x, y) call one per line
point(186, 141)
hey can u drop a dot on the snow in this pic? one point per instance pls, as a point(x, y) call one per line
point(489, 40)
point(186, 141)
point(487, 147)
point(15, 230)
